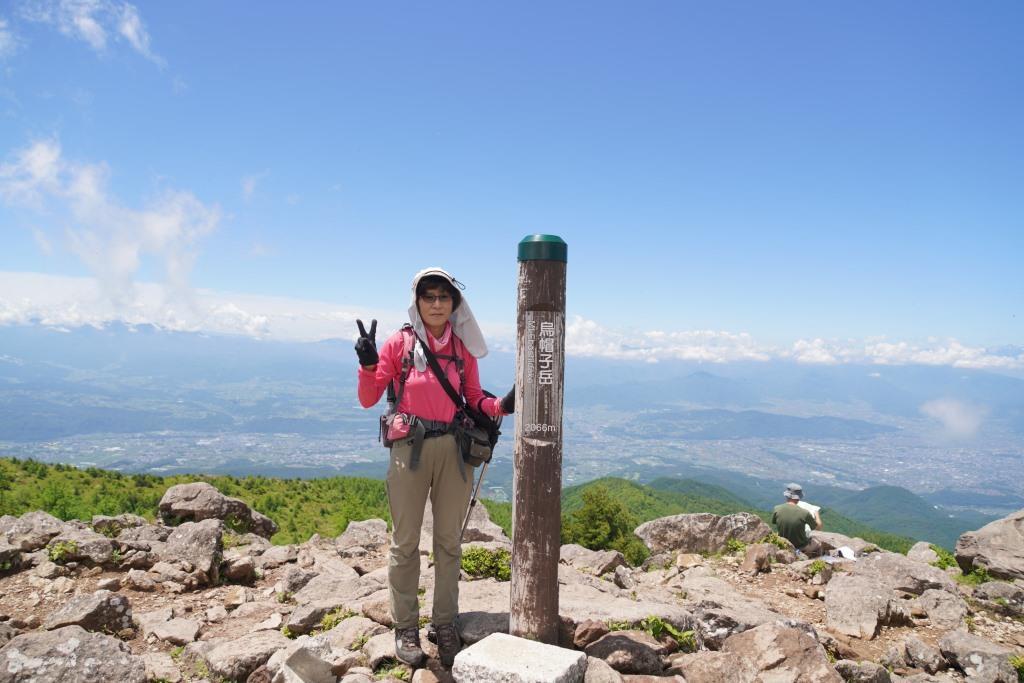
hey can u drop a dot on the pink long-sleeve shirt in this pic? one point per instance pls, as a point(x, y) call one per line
point(424, 396)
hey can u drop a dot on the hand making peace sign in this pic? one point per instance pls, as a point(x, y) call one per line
point(366, 345)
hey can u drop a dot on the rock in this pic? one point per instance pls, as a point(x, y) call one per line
point(147, 533)
point(111, 584)
point(475, 626)
point(334, 586)
point(216, 614)
point(922, 552)
point(858, 606)
point(923, 656)
point(587, 632)
point(100, 611)
point(624, 578)
point(240, 569)
point(136, 579)
point(305, 664)
point(351, 631)
point(594, 562)
point(10, 557)
point(1004, 597)
point(944, 610)
point(712, 667)
point(80, 545)
point(200, 501)
point(161, 667)
point(902, 574)
point(862, 672)
point(69, 654)
point(998, 547)
point(381, 647)
point(6, 633)
point(687, 560)
point(369, 534)
point(235, 597)
point(981, 660)
point(628, 652)
point(293, 581)
point(702, 532)
point(305, 618)
point(829, 540)
point(719, 611)
point(112, 526)
point(501, 657)
point(789, 654)
point(31, 531)
point(277, 555)
point(758, 558)
point(177, 631)
point(236, 659)
point(598, 671)
point(198, 543)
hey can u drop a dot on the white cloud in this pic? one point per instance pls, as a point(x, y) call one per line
point(8, 41)
point(94, 22)
point(67, 302)
point(588, 338)
point(880, 352)
point(959, 420)
point(249, 183)
point(111, 239)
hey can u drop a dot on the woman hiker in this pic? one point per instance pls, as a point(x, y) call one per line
point(425, 457)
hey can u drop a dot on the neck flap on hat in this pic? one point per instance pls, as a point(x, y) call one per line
point(463, 321)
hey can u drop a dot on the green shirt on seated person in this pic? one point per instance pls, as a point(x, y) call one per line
point(790, 519)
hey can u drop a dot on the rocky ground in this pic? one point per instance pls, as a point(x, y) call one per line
point(204, 596)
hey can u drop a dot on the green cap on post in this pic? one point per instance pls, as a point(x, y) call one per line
point(543, 248)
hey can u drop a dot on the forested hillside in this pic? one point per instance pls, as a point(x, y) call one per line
point(302, 507)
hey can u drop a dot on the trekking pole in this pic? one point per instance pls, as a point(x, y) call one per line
point(472, 501)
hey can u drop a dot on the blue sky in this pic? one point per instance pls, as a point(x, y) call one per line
point(815, 181)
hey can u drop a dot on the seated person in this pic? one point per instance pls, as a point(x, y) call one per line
point(790, 520)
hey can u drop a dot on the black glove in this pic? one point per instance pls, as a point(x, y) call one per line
point(366, 345)
point(508, 404)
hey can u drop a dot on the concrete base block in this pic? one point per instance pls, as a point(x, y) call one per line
point(501, 658)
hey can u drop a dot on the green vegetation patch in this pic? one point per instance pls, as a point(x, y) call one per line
point(60, 551)
point(482, 563)
point(946, 558)
point(816, 567)
point(658, 628)
point(975, 577)
point(333, 618)
point(1017, 662)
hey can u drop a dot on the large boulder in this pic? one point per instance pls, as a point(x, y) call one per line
point(998, 547)
point(370, 534)
point(922, 552)
point(720, 611)
point(198, 543)
point(629, 652)
point(712, 667)
point(780, 653)
point(859, 606)
point(981, 660)
point(81, 545)
point(900, 573)
point(236, 659)
point(69, 655)
point(594, 562)
point(944, 610)
point(31, 531)
point(701, 532)
point(199, 501)
point(99, 611)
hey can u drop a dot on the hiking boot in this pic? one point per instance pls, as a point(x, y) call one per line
point(448, 644)
point(407, 646)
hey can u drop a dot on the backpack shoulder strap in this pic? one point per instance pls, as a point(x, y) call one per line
point(408, 340)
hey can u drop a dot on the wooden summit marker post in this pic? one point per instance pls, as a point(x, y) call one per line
point(537, 453)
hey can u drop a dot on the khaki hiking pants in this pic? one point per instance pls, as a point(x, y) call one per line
point(437, 475)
